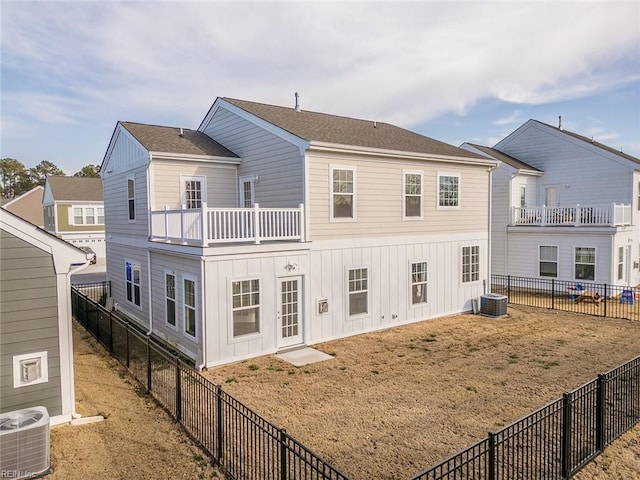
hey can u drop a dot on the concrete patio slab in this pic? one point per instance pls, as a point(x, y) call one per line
point(303, 356)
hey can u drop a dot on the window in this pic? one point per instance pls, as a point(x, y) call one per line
point(78, 218)
point(132, 281)
point(245, 299)
point(620, 263)
point(170, 295)
point(585, 263)
point(246, 191)
point(470, 264)
point(190, 306)
point(548, 261)
point(448, 191)
point(86, 215)
point(193, 193)
point(358, 291)
point(343, 193)
point(523, 196)
point(131, 195)
point(412, 194)
point(418, 283)
point(100, 216)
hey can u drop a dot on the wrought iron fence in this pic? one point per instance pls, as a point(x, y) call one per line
point(243, 444)
point(581, 297)
point(553, 442)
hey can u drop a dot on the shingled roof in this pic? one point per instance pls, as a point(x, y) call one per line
point(76, 189)
point(157, 138)
point(322, 127)
point(503, 157)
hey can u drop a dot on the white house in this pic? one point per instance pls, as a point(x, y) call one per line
point(564, 207)
point(269, 228)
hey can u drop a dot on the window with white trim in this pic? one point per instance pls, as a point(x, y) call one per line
point(132, 282)
point(412, 194)
point(87, 215)
point(448, 190)
point(245, 301)
point(585, 263)
point(131, 198)
point(170, 298)
point(639, 196)
point(470, 264)
point(192, 192)
point(418, 283)
point(342, 193)
point(189, 300)
point(523, 196)
point(620, 263)
point(358, 291)
point(548, 266)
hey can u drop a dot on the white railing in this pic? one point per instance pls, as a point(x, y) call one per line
point(227, 225)
point(576, 215)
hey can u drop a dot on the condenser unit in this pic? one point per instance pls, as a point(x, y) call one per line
point(493, 305)
point(24, 442)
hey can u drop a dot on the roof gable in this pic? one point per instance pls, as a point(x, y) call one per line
point(337, 130)
point(503, 157)
point(74, 189)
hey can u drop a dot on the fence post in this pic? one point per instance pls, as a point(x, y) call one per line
point(509, 286)
point(600, 412)
point(553, 293)
point(148, 364)
point(110, 332)
point(220, 425)
point(178, 391)
point(126, 329)
point(566, 434)
point(283, 455)
point(492, 456)
point(605, 300)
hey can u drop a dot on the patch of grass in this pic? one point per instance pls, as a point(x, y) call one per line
point(411, 346)
point(343, 368)
point(375, 372)
point(547, 365)
point(230, 380)
point(471, 388)
point(513, 358)
point(103, 415)
point(333, 354)
point(429, 338)
point(291, 372)
point(253, 367)
point(306, 371)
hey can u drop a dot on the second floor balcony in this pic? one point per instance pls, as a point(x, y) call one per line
point(612, 215)
point(205, 226)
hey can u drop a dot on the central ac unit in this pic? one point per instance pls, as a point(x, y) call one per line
point(24, 442)
point(493, 305)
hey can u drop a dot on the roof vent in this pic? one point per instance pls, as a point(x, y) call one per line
point(560, 122)
point(181, 132)
point(375, 124)
point(297, 107)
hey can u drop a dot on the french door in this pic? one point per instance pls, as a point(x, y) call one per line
point(289, 311)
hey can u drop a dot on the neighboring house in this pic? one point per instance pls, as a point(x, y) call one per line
point(28, 206)
point(36, 350)
point(270, 228)
point(74, 211)
point(571, 212)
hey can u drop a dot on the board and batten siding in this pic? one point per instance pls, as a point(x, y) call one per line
point(221, 185)
point(28, 322)
point(278, 163)
point(576, 168)
point(379, 198)
point(182, 267)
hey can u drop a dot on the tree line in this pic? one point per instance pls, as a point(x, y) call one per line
point(16, 179)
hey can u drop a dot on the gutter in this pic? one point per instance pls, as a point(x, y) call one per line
point(203, 280)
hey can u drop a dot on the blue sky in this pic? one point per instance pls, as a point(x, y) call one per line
point(454, 71)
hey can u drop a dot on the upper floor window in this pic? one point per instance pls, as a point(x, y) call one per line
point(620, 263)
point(87, 215)
point(193, 192)
point(342, 193)
point(190, 306)
point(131, 197)
point(418, 283)
point(470, 264)
point(170, 296)
point(548, 261)
point(245, 300)
point(523, 196)
point(358, 291)
point(585, 263)
point(412, 194)
point(448, 190)
point(132, 282)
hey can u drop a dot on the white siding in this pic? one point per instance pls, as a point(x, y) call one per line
point(126, 154)
point(278, 163)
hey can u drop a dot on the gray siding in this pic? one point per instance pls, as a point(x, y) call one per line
point(28, 322)
point(116, 204)
point(278, 163)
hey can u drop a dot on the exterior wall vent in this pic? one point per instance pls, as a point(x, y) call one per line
point(24, 442)
point(493, 305)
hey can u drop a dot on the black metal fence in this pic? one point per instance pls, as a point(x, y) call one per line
point(557, 440)
point(590, 298)
point(244, 445)
point(553, 442)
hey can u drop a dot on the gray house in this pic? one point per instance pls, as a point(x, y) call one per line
point(36, 350)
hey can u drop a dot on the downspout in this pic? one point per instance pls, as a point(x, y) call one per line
point(489, 225)
point(149, 189)
point(505, 253)
point(203, 317)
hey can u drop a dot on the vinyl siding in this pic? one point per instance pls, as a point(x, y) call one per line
point(221, 185)
point(278, 163)
point(379, 198)
point(28, 326)
point(64, 226)
point(116, 204)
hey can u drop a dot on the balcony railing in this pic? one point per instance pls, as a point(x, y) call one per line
point(227, 225)
point(577, 215)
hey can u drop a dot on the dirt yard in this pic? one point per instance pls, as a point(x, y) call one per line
point(392, 403)
point(433, 387)
point(137, 439)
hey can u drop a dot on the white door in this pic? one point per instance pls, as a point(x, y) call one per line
point(246, 192)
point(551, 197)
point(289, 311)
